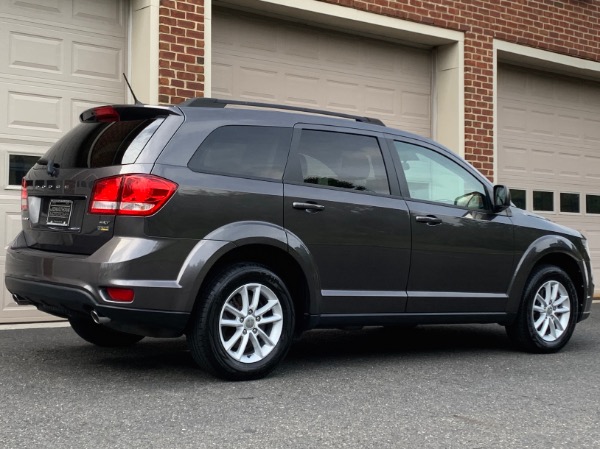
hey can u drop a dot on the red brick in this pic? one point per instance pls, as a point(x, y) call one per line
point(194, 86)
point(166, 20)
point(186, 93)
point(186, 76)
point(197, 51)
point(182, 57)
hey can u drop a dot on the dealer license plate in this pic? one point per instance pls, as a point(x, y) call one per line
point(59, 212)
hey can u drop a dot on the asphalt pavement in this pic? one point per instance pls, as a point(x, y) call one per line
point(428, 387)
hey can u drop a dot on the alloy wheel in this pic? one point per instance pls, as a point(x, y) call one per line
point(251, 323)
point(551, 311)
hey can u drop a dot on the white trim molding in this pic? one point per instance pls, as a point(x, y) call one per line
point(207, 48)
point(144, 38)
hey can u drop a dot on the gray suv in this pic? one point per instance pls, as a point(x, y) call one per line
point(241, 227)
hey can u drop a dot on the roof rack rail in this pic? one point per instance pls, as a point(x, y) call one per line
point(219, 103)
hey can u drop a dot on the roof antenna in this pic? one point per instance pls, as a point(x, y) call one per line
point(131, 90)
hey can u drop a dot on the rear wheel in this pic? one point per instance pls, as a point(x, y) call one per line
point(244, 327)
point(101, 335)
point(548, 313)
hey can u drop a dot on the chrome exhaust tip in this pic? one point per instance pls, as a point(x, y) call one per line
point(99, 319)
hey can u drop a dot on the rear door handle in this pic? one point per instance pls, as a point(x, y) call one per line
point(431, 220)
point(307, 206)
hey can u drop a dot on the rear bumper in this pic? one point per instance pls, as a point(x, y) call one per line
point(68, 284)
point(66, 301)
point(151, 267)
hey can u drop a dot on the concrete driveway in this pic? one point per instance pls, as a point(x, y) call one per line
point(435, 386)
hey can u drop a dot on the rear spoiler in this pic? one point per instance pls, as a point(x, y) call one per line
point(115, 113)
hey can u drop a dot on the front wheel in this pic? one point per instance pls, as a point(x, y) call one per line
point(548, 314)
point(244, 326)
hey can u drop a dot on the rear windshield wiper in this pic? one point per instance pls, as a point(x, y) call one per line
point(52, 167)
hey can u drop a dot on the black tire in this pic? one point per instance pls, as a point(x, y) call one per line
point(100, 335)
point(524, 333)
point(207, 337)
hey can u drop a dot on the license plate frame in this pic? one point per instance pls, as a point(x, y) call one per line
point(59, 212)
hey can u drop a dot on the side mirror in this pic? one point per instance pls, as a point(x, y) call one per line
point(501, 197)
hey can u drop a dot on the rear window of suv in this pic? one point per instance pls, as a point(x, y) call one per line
point(246, 151)
point(92, 145)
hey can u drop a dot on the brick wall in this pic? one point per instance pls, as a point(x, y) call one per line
point(570, 27)
point(181, 50)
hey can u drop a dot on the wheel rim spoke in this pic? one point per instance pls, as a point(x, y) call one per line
point(554, 291)
point(230, 323)
point(265, 337)
point(540, 298)
point(229, 308)
point(539, 322)
point(540, 309)
point(233, 340)
point(562, 310)
point(544, 327)
point(245, 300)
point(560, 300)
point(270, 319)
point(558, 325)
point(267, 307)
point(552, 328)
point(255, 298)
point(256, 345)
point(241, 348)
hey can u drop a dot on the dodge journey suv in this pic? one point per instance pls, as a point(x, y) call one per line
point(242, 224)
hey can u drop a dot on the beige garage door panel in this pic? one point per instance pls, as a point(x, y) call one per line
point(549, 140)
point(75, 57)
point(57, 58)
point(274, 61)
point(45, 111)
point(107, 17)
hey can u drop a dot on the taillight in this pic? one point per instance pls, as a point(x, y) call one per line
point(24, 197)
point(139, 195)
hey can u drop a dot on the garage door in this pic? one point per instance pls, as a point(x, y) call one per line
point(272, 60)
point(57, 58)
point(549, 148)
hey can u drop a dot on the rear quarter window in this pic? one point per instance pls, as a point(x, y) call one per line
point(246, 151)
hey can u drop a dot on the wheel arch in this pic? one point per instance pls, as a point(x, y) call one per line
point(549, 250)
point(267, 245)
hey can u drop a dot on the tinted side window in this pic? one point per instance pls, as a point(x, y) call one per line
point(433, 177)
point(249, 151)
point(349, 161)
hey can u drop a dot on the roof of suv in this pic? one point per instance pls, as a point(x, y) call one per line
point(253, 113)
point(218, 103)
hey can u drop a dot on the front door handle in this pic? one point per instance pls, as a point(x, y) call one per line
point(431, 220)
point(309, 207)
